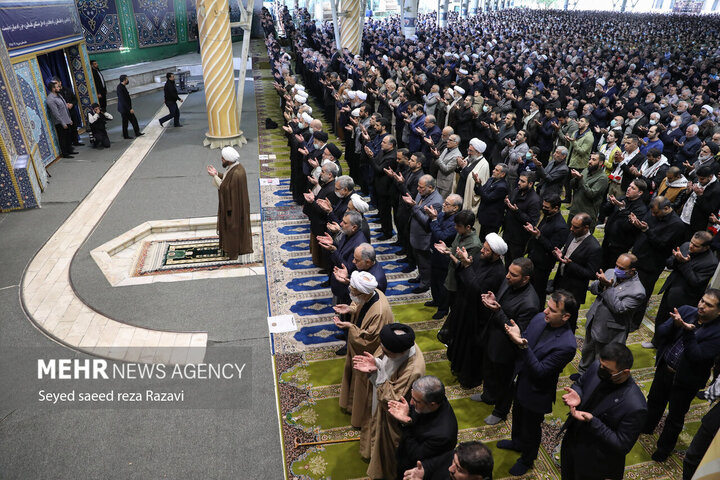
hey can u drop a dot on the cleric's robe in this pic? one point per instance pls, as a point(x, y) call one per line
point(233, 220)
point(363, 336)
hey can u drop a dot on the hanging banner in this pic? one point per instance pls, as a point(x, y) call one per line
point(38, 25)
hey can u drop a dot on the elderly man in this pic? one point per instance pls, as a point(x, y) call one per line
point(366, 316)
point(364, 260)
point(342, 248)
point(492, 193)
point(476, 276)
point(687, 146)
point(607, 412)
point(430, 428)
point(516, 299)
point(233, 222)
point(442, 226)
point(704, 200)
point(550, 179)
point(446, 164)
point(391, 375)
point(513, 155)
point(61, 119)
point(544, 349)
point(468, 167)
point(589, 187)
point(619, 294)
point(316, 209)
point(420, 233)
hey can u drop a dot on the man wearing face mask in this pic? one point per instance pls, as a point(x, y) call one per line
point(673, 133)
point(607, 412)
point(619, 294)
point(368, 313)
point(522, 207)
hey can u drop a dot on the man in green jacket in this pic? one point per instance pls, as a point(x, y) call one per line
point(580, 147)
point(589, 188)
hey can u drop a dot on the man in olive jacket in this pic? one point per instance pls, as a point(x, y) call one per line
point(589, 189)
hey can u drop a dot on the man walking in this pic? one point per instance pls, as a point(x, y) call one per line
point(125, 108)
point(171, 99)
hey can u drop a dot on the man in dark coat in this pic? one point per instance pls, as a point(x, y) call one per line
point(233, 223)
point(100, 86)
point(688, 343)
point(475, 277)
point(428, 427)
point(552, 178)
point(579, 261)
point(317, 215)
point(516, 299)
point(442, 226)
point(693, 264)
point(125, 108)
point(607, 412)
point(549, 234)
point(491, 212)
point(171, 99)
point(420, 233)
point(620, 235)
point(386, 158)
point(545, 348)
point(523, 207)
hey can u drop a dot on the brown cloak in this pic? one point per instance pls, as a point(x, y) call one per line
point(233, 222)
point(380, 436)
point(363, 336)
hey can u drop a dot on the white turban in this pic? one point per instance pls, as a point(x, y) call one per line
point(359, 204)
point(308, 108)
point(497, 244)
point(529, 70)
point(466, 58)
point(459, 90)
point(303, 94)
point(463, 71)
point(351, 94)
point(307, 117)
point(363, 282)
point(491, 58)
point(361, 95)
point(300, 99)
point(478, 145)
point(355, 112)
point(456, 56)
point(230, 154)
point(708, 108)
point(299, 87)
point(601, 81)
point(447, 54)
point(475, 56)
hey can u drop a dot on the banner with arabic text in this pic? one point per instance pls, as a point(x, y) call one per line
point(38, 25)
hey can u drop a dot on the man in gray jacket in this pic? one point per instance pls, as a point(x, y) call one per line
point(447, 163)
point(61, 119)
point(420, 232)
point(619, 294)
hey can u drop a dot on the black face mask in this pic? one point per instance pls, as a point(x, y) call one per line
point(604, 374)
point(547, 213)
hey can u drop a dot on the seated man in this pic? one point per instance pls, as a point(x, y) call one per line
point(97, 120)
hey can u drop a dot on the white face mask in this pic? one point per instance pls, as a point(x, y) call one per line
point(653, 122)
point(673, 124)
point(301, 125)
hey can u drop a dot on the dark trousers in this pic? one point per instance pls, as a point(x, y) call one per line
point(648, 279)
point(515, 250)
point(102, 101)
point(384, 206)
point(437, 288)
point(174, 113)
point(700, 443)
point(132, 119)
point(423, 259)
point(486, 229)
point(662, 393)
point(572, 468)
point(539, 282)
point(526, 432)
point(663, 312)
point(498, 384)
point(101, 139)
point(64, 139)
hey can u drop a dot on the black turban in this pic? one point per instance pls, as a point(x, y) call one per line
point(322, 136)
point(394, 342)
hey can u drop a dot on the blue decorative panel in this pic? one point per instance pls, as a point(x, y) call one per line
point(80, 68)
point(42, 95)
point(13, 132)
point(155, 21)
point(101, 23)
point(27, 182)
point(36, 112)
point(8, 194)
point(192, 24)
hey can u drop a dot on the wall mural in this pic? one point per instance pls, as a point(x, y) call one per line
point(155, 21)
point(36, 111)
point(192, 19)
point(101, 23)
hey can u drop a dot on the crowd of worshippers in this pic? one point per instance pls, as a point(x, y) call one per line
point(468, 140)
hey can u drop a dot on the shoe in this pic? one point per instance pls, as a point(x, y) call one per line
point(139, 134)
point(440, 314)
point(493, 420)
point(574, 377)
point(177, 126)
point(420, 289)
point(161, 123)
point(341, 351)
point(401, 253)
point(701, 395)
point(430, 303)
point(659, 456)
point(78, 144)
point(74, 152)
point(341, 336)
point(481, 397)
point(325, 284)
point(519, 469)
point(648, 345)
point(382, 238)
point(507, 445)
point(67, 156)
point(414, 280)
point(128, 138)
point(408, 269)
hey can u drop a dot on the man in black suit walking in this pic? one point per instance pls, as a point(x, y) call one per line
point(607, 412)
point(125, 108)
point(171, 99)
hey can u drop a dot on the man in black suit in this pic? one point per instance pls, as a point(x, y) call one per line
point(522, 207)
point(692, 265)
point(125, 108)
point(620, 235)
point(579, 261)
point(384, 188)
point(704, 200)
point(607, 412)
point(545, 348)
point(660, 232)
point(552, 178)
point(171, 99)
point(313, 209)
point(429, 427)
point(516, 299)
point(491, 211)
point(688, 343)
point(549, 234)
point(100, 86)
